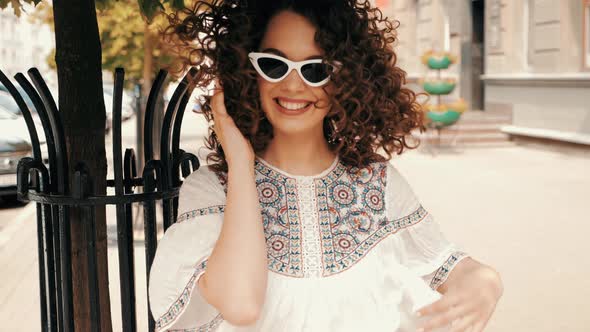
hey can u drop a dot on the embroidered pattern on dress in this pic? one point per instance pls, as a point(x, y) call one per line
point(180, 304)
point(337, 218)
point(442, 273)
point(352, 210)
point(280, 215)
point(200, 212)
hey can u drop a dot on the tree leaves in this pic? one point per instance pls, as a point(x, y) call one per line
point(17, 5)
point(149, 8)
point(177, 4)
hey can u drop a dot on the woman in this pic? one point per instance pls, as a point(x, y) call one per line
point(301, 223)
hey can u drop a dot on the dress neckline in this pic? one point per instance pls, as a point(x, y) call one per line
point(265, 164)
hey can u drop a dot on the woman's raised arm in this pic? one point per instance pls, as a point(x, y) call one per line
point(236, 274)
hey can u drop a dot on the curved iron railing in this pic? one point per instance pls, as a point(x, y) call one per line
point(47, 185)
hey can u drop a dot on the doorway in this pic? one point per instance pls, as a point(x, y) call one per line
point(477, 54)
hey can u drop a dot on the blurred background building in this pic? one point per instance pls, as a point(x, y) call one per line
point(528, 58)
point(24, 43)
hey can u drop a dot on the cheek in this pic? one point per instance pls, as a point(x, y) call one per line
point(323, 98)
point(264, 88)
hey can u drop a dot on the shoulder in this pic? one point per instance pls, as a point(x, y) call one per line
point(203, 178)
point(399, 195)
point(202, 189)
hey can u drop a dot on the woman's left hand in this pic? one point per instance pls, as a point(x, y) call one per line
point(467, 304)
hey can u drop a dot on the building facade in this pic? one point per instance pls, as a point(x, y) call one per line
point(527, 57)
point(23, 44)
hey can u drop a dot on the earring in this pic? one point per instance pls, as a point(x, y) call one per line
point(334, 135)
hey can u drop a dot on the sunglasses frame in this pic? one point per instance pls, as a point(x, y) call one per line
point(297, 65)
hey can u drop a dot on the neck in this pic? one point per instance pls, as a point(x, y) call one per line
point(303, 154)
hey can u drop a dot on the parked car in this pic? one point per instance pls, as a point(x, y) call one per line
point(8, 103)
point(13, 146)
point(127, 109)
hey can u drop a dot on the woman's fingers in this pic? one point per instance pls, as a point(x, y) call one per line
point(442, 305)
point(237, 149)
point(446, 317)
point(218, 109)
point(464, 323)
point(477, 327)
point(218, 103)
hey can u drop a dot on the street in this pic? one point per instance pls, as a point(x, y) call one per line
point(520, 208)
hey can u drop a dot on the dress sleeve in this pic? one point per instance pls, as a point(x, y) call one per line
point(422, 246)
point(181, 257)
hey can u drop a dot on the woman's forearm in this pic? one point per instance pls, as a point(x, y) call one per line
point(236, 273)
point(469, 266)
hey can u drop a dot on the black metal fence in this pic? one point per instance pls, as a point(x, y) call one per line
point(47, 185)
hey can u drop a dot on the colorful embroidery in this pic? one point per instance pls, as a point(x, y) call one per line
point(180, 304)
point(280, 214)
point(387, 228)
point(344, 245)
point(373, 198)
point(200, 212)
point(278, 246)
point(361, 217)
point(343, 194)
point(363, 175)
point(341, 218)
point(268, 192)
point(442, 273)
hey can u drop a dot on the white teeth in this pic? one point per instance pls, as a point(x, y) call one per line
point(292, 106)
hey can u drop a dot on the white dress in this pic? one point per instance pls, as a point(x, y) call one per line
point(347, 251)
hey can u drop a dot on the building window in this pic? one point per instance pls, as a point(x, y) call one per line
point(586, 34)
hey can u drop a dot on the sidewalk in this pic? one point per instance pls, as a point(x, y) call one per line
point(522, 210)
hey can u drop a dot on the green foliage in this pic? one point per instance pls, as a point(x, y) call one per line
point(149, 8)
point(17, 5)
point(123, 35)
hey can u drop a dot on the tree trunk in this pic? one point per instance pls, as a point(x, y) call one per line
point(81, 105)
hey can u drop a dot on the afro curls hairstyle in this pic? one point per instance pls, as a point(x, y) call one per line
point(372, 115)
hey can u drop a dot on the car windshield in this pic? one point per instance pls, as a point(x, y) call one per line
point(5, 114)
point(9, 104)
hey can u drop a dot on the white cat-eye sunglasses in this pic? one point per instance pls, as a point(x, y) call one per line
point(275, 68)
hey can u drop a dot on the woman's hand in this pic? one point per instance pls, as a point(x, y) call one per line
point(237, 149)
point(467, 304)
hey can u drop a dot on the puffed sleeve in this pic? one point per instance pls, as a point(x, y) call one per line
point(181, 257)
point(422, 247)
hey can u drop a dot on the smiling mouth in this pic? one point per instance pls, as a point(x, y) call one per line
point(291, 105)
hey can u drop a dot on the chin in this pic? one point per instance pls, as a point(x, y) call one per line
point(292, 129)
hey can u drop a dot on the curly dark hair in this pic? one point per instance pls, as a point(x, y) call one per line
point(371, 110)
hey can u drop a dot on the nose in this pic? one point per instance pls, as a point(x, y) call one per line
point(293, 82)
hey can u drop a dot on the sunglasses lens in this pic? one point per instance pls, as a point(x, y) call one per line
point(273, 68)
point(316, 72)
